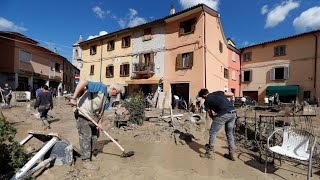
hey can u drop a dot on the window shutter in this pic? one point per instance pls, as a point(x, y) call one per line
point(107, 71)
point(181, 29)
point(129, 41)
point(234, 75)
point(152, 57)
point(121, 70)
point(250, 75)
point(272, 74)
point(193, 26)
point(286, 73)
point(178, 62)
point(233, 56)
point(140, 58)
point(191, 59)
point(242, 76)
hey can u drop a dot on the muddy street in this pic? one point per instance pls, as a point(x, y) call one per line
point(157, 156)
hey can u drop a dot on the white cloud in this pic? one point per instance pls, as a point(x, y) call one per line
point(309, 19)
point(246, 43)
point(264, 9)
point(99, 12)
point(122, 23)
point(6, 25)
point(132, 19)
point(188, 3)
point(280, 12)
point(101, 33)
point(136, 21)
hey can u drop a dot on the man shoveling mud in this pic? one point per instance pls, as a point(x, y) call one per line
point(92, 102)
point(225, 116)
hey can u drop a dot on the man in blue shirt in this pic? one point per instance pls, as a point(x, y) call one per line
point(7, 93)
point(94, 101)
point(225, 116)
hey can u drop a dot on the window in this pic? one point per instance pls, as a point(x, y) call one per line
point(280, 50)
point(93, 50)
point(109, 71)
point(25, 56)
point(76, 53)
point(234, 75)
point(124, 70)
point(92, 70)
point(306, 94)
point(126, 42)
point(246, 76)
point(279, 73)
point(187, 27)
point(147, 34)
point(220, 46)
point(57, 67)
point(184, 61)
point(226, 73)
point(52, 65)
point(111, 45)
point(247, 56)
point(233, 56)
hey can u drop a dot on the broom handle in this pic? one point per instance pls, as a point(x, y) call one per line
point(105, 132)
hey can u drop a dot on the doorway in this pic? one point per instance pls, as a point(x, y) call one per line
point(182, 91)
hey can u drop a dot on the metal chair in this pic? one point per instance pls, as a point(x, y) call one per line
point(296, 143)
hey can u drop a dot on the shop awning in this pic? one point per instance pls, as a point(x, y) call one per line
point(283, 90)
point(144, 81)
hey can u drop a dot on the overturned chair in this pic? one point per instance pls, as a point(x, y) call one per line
point(297, 144)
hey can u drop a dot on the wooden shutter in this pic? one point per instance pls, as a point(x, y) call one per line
point(181, 29)
point(178, 61)
point(152, 57)
point(242, 76)
point(129, 41)
point(272, 74)
point(250, 76)
point(286, 73)
point(141, 58)
point(121, 70)
point(191, 59)
point(193, 25)
point(107, 71)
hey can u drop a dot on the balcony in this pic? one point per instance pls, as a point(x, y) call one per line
point(143, 68)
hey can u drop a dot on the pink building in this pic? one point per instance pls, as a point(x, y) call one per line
point(197, 54)
point(234, 68)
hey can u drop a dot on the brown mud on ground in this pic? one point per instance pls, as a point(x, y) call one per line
point(156, 154)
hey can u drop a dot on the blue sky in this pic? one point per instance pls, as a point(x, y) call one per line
point(59, 23)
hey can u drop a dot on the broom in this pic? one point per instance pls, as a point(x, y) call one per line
point(124, 154)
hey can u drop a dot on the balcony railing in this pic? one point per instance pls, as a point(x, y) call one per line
point(143, 68)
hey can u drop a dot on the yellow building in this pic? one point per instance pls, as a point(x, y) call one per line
point(107, 58)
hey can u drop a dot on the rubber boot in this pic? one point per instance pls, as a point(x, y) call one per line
point(230, 156)
point(209, 152)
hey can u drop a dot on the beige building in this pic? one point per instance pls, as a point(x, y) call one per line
point(286, 66)
point(107, 58)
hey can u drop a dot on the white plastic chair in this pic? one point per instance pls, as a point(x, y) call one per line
point(295, 144)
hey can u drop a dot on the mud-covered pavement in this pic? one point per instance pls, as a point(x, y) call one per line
point(156, 154)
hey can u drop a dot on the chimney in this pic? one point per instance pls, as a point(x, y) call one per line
point(55, 50)
point(172, 10)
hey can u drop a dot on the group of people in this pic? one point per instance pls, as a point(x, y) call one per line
point(271, 100)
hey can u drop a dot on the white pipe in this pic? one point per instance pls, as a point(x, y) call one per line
point(34, 159)
point(26, 139)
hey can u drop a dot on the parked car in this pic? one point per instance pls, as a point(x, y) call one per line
point(248, 101)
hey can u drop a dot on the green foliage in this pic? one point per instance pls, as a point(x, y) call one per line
point(12, 155)
point(135, 105)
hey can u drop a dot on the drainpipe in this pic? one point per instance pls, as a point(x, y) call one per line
point(315, 64)
point(205, 49)
point(101, 61)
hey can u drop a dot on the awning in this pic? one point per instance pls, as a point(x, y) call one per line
point(283, 90)
point(144, 81)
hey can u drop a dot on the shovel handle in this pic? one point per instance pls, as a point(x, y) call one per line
point(105, 132)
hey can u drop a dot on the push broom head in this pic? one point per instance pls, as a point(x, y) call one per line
point(127, 154)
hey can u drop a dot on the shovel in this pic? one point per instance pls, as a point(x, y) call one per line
point(124, 154)
point(4, 104)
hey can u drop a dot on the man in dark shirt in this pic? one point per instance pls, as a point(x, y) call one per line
point(44, 103)
point(225, 116)
point(7, 93)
